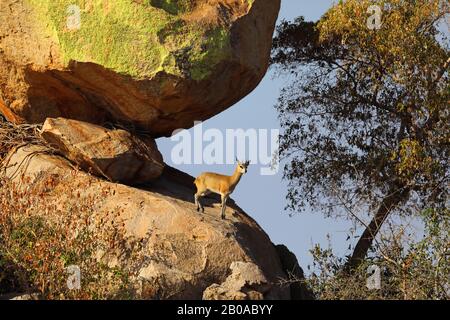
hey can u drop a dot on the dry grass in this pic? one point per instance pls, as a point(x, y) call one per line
point(14, 136)
point(40, 238)
point(42, 233)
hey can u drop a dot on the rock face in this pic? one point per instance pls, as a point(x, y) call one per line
point(158, 65)
point(246, 282)
point(32, 296)
point(299, 290)
point(174, 251)
point(113, 154)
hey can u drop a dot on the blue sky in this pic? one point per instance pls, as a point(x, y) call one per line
point(263, 197)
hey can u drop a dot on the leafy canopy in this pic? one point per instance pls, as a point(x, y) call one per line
point(365, 110)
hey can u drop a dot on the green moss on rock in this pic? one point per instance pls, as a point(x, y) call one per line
point(173, 6)
point(136, 38)
point(213, 50)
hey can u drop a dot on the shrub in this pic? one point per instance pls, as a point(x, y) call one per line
point(409, 268)
point(40, 237)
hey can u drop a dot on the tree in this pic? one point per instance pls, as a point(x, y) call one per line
point(365, 114)
point(406, 268)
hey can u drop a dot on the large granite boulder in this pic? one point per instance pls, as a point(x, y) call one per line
point(157, 65)
point(155, 235)
point(115, 154)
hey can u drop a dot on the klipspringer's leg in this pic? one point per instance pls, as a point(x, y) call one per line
point(197, 203)
point(198, 195)
point(224, 198)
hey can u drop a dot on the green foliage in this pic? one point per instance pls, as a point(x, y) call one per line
point(366, 111)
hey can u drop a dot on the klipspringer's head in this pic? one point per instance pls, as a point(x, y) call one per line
point(243, 166)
